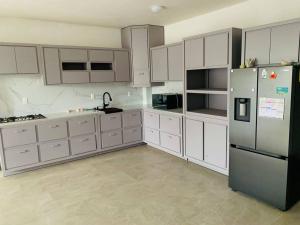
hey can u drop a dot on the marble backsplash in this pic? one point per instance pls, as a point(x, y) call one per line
point(58, 98)
point(169, 87)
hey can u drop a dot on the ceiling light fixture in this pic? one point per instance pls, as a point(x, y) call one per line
point(156, 8)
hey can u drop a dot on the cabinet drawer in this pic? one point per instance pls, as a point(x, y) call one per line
point(132, 135)
point(152, 136)
point(54, 150)
point(112, 138)
point(83, 144)
point(170, 124)
point(170, 142)
point(111, 122)
point(18, 136)
point(52, 130)
point(151, 120)
point(75, 77)
point(21, 156)
point(131, 119)
point(81, 125)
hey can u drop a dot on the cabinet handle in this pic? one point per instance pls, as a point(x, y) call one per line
point(133, 114)
point(133, 131)
point(141, 73)
point(112, 117)
point(170, 136)
point(113, 134)
point(25, 151)
point(54, 126)
point(170, 119)
point(84, 140)
point(21, 131)
point(56, 146)
point(83, 122)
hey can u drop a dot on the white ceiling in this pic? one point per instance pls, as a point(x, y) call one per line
point(110, 13)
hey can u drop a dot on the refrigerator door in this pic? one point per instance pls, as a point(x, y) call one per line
point(243, 94)
point(274, 109)
point(260, 176)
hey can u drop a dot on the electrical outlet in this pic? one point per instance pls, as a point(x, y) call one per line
point(24, 100)
point(129, 93)
point(92, 96)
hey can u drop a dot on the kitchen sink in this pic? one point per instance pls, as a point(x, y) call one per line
point(109, 110)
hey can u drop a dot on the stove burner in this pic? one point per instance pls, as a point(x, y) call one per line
point(21, 118)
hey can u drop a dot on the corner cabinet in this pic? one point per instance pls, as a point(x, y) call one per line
point(18, 59)
point(85, 65)
point(139, 40)
point(272, 43)
point(167, 63)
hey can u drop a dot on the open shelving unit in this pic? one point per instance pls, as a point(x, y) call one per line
point(206, 92)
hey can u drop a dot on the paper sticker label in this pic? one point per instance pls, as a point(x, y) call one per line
point(282, 90)
point(264, 74)
point(271, 108)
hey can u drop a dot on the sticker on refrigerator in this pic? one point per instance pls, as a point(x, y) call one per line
point(271, 108)
point(264, 74)
point(282, 90)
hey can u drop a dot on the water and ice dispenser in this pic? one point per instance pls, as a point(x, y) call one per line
point(242, 109)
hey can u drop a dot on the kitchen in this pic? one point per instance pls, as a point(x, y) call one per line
point(106, 92)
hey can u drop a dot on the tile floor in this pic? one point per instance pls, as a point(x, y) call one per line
point(137, 186)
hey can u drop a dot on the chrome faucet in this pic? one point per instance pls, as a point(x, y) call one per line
point(110, 99)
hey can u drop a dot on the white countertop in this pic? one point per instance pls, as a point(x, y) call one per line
point(52, 116)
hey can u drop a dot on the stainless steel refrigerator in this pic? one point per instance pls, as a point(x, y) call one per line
point(264, 134)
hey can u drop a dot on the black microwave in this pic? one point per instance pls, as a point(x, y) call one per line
point(167, 101)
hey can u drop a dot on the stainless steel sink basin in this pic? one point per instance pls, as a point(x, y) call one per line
point(109, 110)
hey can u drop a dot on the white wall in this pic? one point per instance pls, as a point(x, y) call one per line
point(47, 99)
point(246, 14)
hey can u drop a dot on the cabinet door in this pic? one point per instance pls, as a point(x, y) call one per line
point(215, 144)
point(101, 55)
point(194, 139)
point(7, 60)
point(285, 43)
point(194, 53)
point(27, 61)
point(140, 50)
point(257, 45)
point(121, 66)
point(159, 60)
point(175, 62)
point(216, 50)
point(52, 66)
point(73, 55)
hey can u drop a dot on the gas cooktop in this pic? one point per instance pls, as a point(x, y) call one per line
point(21, 118)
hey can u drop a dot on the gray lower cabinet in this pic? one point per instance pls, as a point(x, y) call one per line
point(132, 134)
point(215, 144)
point(7, 60)
point(159, 64)
point(20, 135)
point(170, 141)
point(52, 130)
point(121, 66)
point(194, 53)
point(21, 156)
point(170, 124)
point(151, 120)
point(27, 60)
point(132, 118)
point(83, 144)
point(81, 125)
point(216, 50)
point(111, 122)
point(194, 139)
point(52, 66)
point(54, 150)
point(285, 43)
point(175, 62)
point(111, 138)
point(257, 45)
point(152, 135)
